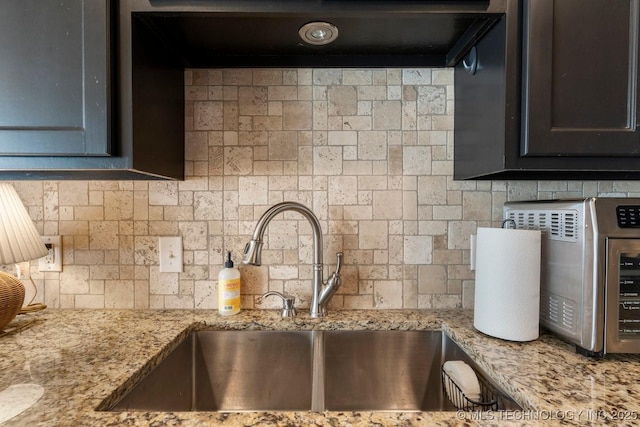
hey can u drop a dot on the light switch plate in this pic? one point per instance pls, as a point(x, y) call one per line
point(170, 254)
point(53, 260)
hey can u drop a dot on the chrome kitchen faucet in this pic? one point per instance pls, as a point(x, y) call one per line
point(322, 292)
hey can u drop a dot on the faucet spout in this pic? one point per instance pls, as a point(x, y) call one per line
point(253, 249)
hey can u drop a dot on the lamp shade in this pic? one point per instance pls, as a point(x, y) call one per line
point(19, 239)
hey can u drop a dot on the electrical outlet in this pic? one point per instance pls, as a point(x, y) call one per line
point(53, 260)
point(170, 254)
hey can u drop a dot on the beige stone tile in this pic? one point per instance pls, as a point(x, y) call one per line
point(476, 206)
point(230, 116)
point(237, 76)
point(357, 122)
point(194, 235)
point(283, 145)
point(387, 294)
point(432, 100)
point(372, 93)
point(119, 294)
point(432, 279)
point(207, 205)
point(372, 145)
point(275, 108)
point(238, 160)
point(394, 92)
point(178, 213)
point(178, 302)
point(267, 123)
point(416, 76)
point(387, 115)
point(156, 302)
point(141, 294)
point(208, 115)
point(342, 190)
point(387, 205)
point(327, 160)
point(357, 77)
point(442, 122)
point(327, 76)
point(253, 190)
point(205, 294)
point(229, 93)
point(357, 167)
point(267, 77)
point(163, 193)
point(88, 213)
point(358, 302)
point(447, 301)
point(459, 234)
point(253, 101)
point(447, 212)
point(118, 205)
point(75, 280)
point(342, 101)
point(432, 190)
point(342, 137)
point(73, 193)
point(373, 235)
point(86, 301)
point(416, 161)
point(163, 283)
point(68, 228)
point(418, 249)
point(442, 76)
point(282, 93)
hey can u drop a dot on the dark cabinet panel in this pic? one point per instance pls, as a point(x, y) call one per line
point(66, 105)
point(54, 78)
point(554, 95)
point(580, 79)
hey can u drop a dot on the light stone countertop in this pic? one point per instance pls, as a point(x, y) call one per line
point(81, 357)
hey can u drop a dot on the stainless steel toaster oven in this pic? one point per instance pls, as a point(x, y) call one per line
point(590, 269)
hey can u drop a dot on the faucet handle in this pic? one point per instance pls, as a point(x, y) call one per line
point(338, 263)
point(288, 309)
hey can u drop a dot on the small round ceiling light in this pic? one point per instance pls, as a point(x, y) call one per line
point(318, 33)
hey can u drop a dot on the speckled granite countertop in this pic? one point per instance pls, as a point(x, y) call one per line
point(82, 356)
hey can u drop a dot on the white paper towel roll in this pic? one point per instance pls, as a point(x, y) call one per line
point(507, 293)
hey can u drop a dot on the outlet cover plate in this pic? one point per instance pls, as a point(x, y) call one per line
point(170, 254)
point(52, 261)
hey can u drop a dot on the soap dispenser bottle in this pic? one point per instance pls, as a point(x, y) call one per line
point(228, 289)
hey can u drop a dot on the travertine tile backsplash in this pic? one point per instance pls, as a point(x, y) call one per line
point(368, 150)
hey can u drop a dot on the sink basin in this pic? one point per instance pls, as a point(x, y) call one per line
point(383, 370)
point(231, 371)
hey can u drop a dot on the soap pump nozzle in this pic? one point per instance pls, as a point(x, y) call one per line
point(228, 263)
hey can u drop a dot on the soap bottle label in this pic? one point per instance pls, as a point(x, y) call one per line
point(230, 296)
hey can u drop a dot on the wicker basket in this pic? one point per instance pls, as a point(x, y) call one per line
point(11, 298)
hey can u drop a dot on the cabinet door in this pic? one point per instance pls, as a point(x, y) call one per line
point(580, 78)
point(53, 77)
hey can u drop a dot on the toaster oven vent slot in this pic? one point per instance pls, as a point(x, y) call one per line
point(558, 311)
point(555, 224)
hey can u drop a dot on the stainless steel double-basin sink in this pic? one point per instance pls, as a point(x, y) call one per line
point(264, 370)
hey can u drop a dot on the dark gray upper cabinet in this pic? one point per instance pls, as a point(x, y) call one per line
point(53, 89)
point(580, 78)
point(555, 94)
point(60, 104)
